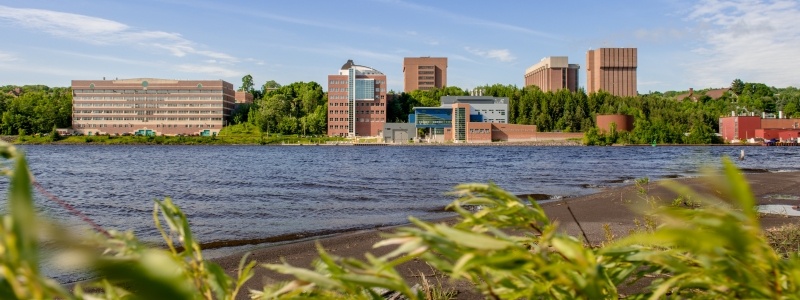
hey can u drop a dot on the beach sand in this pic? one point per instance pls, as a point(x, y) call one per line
point(615, 207)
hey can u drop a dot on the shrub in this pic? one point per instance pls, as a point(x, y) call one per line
point(714, 251)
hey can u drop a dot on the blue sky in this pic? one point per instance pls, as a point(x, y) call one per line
point(682, 44)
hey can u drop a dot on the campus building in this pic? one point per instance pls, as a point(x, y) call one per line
point(470, 119)
point(149, 106)
point(552, 74)
point(750, 128)
point(424, 73)
point(356, 101)
point(612, 70)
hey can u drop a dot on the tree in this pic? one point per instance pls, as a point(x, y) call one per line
point(737, 86)
point(247, 84)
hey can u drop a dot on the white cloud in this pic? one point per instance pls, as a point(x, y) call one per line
point(7, 57)
point(754, 40)
point(463, 19)
point(99, 31)
point(661, 35)
point(208, 69)
point(500, 54)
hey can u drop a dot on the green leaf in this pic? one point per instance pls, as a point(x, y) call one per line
point(20, 198)
point(472, 240)
point(155, 275)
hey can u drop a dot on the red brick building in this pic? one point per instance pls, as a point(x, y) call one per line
point(243, 97)
point(622, 122)
point(552, 74)
point(612, 70)
point(150, 106)
point(739, 127)
point(424, 73)
point(356, 101)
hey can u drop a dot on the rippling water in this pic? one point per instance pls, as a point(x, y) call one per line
point(242, 194)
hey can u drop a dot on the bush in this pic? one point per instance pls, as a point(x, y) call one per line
point(715, 251)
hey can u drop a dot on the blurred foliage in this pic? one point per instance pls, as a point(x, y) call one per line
point(509, 249)
point(716, 251)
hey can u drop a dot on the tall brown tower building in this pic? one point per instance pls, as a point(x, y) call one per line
point(424, 73)
point(612, 70)
point(552, 74)
point(356, 101)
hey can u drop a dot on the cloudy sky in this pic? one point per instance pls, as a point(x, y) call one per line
point(681, 43)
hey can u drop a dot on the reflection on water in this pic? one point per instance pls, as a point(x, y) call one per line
point(235, 195)
point(779, 209)
point(241, 193)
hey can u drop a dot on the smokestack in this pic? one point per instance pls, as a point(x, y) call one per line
point(763, 115)
point(780, 114)
point(733, 113)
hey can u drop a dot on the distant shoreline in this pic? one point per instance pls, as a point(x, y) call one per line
point(240, 141)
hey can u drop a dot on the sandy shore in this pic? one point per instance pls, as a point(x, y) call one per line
point(612, 206)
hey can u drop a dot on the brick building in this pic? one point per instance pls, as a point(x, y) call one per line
point(621, 122)
point(612, 70)
point(424, 73)
point(552, 74)
point(356, 101)
point(150, 106)
point(243, 97)
point(470, 119)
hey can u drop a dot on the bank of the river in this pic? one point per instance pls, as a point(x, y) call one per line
point(173, 140)
point(617, 208)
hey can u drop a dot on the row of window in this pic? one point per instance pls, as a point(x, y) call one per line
point(479, 131)
point(357, 104)
point(377, 82)
point(340, 112)
point(142, 119)
point(377, 90)
point(157, 125)
point(150, 112)
point(366, 120)
point(154, 105)
point(122, 98)
point(143, 91)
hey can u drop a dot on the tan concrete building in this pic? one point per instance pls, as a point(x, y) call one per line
point(356, 101)
point(424, 73)
point(552, 74)
point(149, 106)
point(612, 70)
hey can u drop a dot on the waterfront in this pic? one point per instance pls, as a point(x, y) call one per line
point(250, 192)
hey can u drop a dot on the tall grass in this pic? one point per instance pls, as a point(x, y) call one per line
point(714, 251)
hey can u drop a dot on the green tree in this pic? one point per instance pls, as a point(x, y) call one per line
point(737, 86)
point(247, 83)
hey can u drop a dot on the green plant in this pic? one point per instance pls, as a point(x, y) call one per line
point(509, 250)
point(715, 251)
point(128, 269)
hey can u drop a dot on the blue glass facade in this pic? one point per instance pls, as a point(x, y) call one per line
point(365, 89)
point(433, 117)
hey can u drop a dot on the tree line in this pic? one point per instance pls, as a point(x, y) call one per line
point(34, 109)
point(301, 108)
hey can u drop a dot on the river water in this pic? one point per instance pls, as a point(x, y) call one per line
point(238, 195)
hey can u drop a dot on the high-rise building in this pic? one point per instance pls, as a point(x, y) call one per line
point(552, 74)
point(356, 101)
point(424, 73)
point(612, 70)
point(149, 106)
